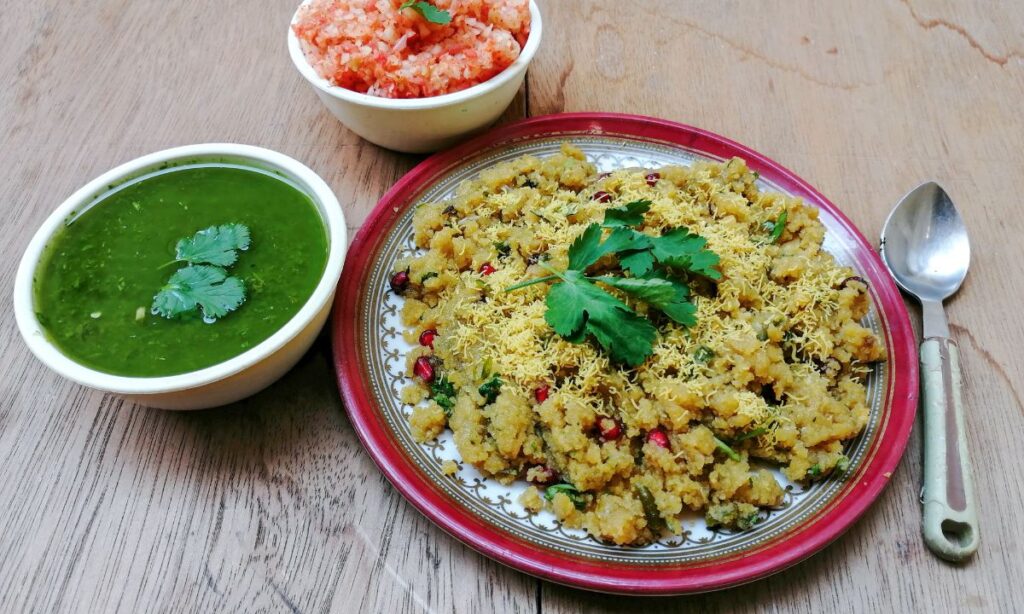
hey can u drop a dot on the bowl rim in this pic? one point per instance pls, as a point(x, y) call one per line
point(328, 208)
point(432, 102)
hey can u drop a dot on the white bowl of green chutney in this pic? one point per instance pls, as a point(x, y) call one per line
point(186, 279)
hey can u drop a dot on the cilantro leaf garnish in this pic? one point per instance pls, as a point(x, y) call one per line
point(214, 245)
point(577, 307)
point(588, 248)
point(204, 283)
point(639, 262)
point(429, 12)
point(631, 214)
point(653, 290)
point(442, 392)
point(680, 249)
point(489, 390)
point(579, 500)
point(703, 354)
point(667, 295)
point(816, 471)
point(208, 287)
point(777, 227)
point(747, 522)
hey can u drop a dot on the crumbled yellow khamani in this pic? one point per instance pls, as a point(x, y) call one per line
point(773, 369)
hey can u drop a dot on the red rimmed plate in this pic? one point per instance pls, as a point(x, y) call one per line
point(369, 357)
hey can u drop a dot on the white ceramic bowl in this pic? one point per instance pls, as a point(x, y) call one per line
point(225, 382)
point(419, 125)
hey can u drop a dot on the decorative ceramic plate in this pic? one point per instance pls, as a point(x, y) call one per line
point(369, 354)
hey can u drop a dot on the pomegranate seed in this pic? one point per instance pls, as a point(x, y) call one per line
point(423, 369)
point(487, 269)
point(543, 475)
point(610, 429)
point(601, 196)
point(427, 338)
point(652, 178)
point(541, 393)
point(658, 438)
point(399, 281)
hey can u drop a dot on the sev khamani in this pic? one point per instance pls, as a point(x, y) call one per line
point(767, 368)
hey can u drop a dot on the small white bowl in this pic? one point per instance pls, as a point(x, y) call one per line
point(232, 379)
point(418, 125)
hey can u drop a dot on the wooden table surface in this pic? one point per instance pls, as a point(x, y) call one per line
point(272, 504)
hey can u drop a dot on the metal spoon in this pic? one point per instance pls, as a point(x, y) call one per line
point(925, 247)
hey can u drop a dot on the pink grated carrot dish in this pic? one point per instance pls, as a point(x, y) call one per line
point(371, 46)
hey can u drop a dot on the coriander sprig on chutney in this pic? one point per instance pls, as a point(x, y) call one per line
point(428, 11)
point(578, 307)
point(204, 283)
point(216, 245)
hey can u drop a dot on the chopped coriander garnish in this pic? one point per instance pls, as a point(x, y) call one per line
point(578, 499)
point(489, 390)
point(745, 523)
point(429, 12)
point(841, 466)
point(428, 275)
point(703, 354)
point(739, 515)
point(443, 393)
point(503, 249)
point(776, 228)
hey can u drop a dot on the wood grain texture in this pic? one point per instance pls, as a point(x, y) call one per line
point(272, 505)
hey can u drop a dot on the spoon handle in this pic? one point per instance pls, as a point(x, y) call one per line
point(950, 513)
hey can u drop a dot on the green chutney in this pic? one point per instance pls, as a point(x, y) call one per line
point(95, 283)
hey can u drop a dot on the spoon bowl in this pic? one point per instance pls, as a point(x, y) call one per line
point(925, 244)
